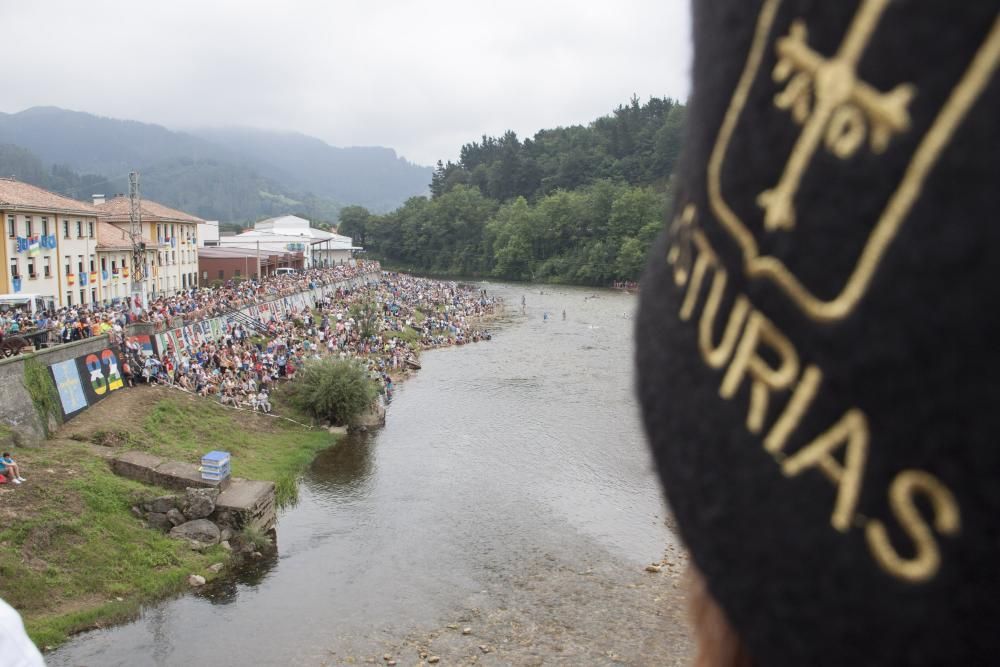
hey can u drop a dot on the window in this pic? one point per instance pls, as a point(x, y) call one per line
point(114, 266)
point(47, 267)
point(65, 229)
point(222, 274)
point(13, 268)
point(159, 233)
point(79, 267)
point(69, 265)
point(79, 231)
point(69, 299)
point(11, 231)
point(236, 273)
point(90, 229)
point(104, 263)
point(93, 295)
point(83, 296)
point(31, 268)
point(45, 226)
point(91, 263)
point(28, 226)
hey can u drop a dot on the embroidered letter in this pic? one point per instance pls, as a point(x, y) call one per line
point(764, 378)
point(789, 420)
point(851, 432)
point(924, 565)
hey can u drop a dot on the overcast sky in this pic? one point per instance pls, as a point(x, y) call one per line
point(420, 77)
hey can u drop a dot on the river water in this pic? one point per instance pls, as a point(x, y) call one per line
point(511, 479)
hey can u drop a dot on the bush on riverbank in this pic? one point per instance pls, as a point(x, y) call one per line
point(337, 390)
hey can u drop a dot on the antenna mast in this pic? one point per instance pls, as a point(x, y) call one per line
point(138, 245)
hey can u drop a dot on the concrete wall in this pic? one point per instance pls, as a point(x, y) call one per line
point(17, 411)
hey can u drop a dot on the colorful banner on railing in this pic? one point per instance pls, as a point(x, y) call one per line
point(190, 337)
point(87, 379)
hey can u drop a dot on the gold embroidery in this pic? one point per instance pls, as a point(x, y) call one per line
point(801, 399)
point(885, 115)
point(838, 91)
point(927, 561)
point(851, 432)
point(679, 253)
point(764, 378)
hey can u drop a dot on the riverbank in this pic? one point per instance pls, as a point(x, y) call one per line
point(73, 556)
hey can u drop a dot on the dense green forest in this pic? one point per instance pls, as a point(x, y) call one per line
point(577, 205)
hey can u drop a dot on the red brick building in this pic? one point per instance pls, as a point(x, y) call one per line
point(226, 263)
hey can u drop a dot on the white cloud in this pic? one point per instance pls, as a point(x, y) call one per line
point(421, 77)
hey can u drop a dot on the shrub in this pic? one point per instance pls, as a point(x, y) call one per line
point(43, 392)
point(333, 389)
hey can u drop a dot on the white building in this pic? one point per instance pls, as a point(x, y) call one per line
point(209, 234)
point(290, 233)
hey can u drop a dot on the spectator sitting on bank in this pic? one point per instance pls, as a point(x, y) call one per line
point(10, 469)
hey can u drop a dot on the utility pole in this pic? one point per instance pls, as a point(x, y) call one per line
point(138, 245)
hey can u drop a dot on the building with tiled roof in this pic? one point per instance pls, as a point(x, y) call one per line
point(171, 239)
point(49, 246)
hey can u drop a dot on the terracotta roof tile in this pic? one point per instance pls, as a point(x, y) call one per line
point(117, 210)
point(18, 195)
point(111, 237)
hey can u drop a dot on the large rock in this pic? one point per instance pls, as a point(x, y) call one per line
point(159, 521)
point(199, 530)
point(175, 517)
point(163, 504)
point(199, 503)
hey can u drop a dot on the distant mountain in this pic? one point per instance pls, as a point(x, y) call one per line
point(353, 175)
point(226, 174)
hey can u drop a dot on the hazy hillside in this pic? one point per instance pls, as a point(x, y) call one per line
point(351, 175)
point(232, 175)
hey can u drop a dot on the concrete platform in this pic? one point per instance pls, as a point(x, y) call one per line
point(149, 469)
point(249, 502)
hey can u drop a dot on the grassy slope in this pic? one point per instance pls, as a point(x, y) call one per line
point(71, 554)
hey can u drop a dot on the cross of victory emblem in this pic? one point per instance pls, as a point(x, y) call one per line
point(836, 108)
point(857, 128)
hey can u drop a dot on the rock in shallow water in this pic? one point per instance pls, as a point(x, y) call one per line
point(196, 580)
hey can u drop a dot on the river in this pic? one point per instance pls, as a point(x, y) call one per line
point(510, 493)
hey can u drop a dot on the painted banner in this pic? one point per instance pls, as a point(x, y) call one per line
point(145, 344)
point(99, 374)
point(67, 379)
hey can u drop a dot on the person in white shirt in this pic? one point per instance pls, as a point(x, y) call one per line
point(16, 648)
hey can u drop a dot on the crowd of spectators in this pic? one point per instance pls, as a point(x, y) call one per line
point(383, 322)
point(74, 323)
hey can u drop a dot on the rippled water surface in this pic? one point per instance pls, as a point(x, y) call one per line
point(494, 454)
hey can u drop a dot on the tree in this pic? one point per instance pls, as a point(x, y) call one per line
point(354, 223)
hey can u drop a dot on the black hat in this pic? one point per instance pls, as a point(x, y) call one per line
point(818, 339)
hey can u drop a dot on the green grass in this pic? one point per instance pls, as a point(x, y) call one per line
point(185, 429)
point(65, 566)
point(75, 549)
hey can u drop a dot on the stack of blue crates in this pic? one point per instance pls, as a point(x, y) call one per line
point(215, 466)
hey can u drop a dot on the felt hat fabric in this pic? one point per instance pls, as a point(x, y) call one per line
point(817, 338)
